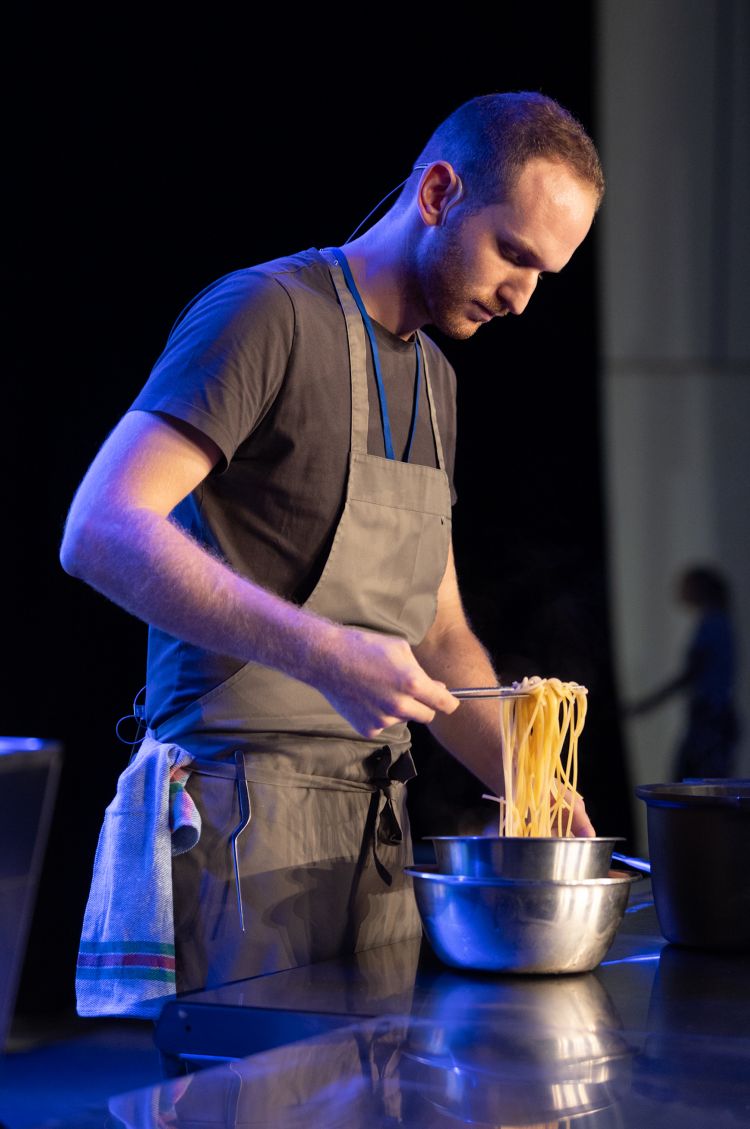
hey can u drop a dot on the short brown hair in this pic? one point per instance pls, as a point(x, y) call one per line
point(489, 139)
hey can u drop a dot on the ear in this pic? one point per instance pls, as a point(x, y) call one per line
point(439, 189)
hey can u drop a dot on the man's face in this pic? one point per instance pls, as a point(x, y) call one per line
point(488, 264)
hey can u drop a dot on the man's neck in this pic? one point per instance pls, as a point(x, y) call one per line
point(379, 262)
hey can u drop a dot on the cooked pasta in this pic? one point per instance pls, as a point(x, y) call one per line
point(540, 775)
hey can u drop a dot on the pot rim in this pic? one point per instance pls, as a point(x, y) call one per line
point(432, 874)
point(524, 838)
point(697, 793)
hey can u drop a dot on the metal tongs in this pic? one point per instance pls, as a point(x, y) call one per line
point(489, 692)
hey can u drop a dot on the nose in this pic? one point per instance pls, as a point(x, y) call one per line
point(515, 292)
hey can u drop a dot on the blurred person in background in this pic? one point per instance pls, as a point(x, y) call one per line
point(708, 745)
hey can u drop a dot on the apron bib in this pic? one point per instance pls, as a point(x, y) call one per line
point(321, 861)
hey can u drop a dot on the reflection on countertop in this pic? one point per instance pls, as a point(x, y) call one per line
point(656, 1036)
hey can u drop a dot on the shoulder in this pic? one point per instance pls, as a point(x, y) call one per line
point(228, 353)
point(263, 291)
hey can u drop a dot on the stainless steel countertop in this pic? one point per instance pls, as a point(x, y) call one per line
point(656, 1037)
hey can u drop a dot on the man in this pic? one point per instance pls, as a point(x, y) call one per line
point(276, 505)
point(708, 744)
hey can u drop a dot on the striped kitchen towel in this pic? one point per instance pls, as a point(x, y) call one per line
point(126, 956)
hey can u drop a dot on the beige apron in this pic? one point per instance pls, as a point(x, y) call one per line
point(322, 859)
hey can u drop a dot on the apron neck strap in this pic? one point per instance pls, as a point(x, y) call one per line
point(357, 356)
point(431, 403)
point(351, 303)
point(382, 399)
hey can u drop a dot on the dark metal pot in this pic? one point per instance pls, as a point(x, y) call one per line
point(699, 845)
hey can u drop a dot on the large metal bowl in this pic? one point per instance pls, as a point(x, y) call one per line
point(527, 926)
point(478, 856)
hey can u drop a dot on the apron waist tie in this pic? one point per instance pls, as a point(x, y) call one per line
point(388, 829)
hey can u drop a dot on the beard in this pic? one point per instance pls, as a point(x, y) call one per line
point(442, 276)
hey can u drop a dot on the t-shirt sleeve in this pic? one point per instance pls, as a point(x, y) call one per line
point(225, 360)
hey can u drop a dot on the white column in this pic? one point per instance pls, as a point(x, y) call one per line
point(674, 105)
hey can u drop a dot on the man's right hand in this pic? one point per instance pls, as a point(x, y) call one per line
point(374, 681)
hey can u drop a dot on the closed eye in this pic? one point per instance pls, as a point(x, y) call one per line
point(519, 258)
point(511, 254)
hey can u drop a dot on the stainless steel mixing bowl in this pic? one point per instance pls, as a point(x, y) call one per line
point(508, 857)
point(519, 925)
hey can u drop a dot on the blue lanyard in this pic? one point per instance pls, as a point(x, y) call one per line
point(387, 440)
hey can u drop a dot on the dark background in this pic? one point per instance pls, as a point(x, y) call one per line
point(148, 165)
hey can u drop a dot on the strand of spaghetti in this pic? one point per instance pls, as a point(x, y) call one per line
point(539, 770)
point(522, 773)
point(540, 755)
point(567, 788)
point(578, 713)
point(539, 816)
point(523, 766)
point(516, 769)
point(506, 728)
point(539, 821)
point(519, 718)
point(537, 724)
point(577, 698)
point(533, 711)
point(562, 719)
point(562, 774)
point(581, 708)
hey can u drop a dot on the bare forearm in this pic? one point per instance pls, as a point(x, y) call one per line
point(151, 568)
point(120, 540)
point(472, 733)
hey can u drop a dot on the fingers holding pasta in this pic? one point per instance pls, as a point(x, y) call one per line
point(569, 815)
point(581, 825)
